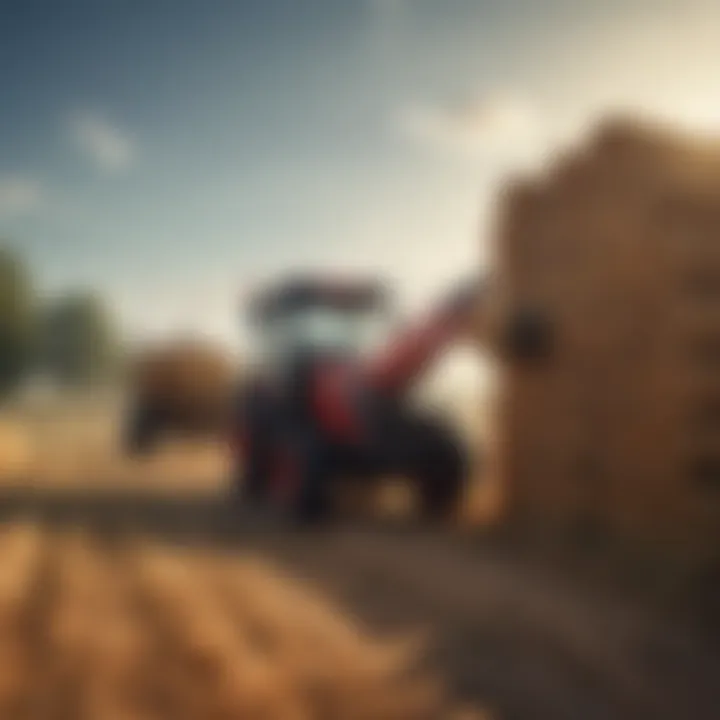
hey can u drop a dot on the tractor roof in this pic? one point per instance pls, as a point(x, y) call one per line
point(300, 292)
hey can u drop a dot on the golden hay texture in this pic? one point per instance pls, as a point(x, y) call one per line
point(121, 630)
point(616, 249)
point(189, 370)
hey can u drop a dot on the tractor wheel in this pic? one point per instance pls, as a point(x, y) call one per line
point(437, 462)
point(310, 504)
point(249, 482)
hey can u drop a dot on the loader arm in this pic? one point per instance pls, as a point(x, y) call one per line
point(404, 360)
point(395, 368)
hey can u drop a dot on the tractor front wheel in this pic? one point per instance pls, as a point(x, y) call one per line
point(310, 469)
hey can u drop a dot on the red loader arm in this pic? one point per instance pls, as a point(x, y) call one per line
point(396, 367)
point(405, 359)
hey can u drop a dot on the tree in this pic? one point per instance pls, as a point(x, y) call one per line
point(16, 320)
point(77, 339)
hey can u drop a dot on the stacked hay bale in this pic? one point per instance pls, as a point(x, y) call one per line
point(618, 428)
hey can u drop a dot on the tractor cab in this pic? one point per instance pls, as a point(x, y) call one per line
point(319, 319)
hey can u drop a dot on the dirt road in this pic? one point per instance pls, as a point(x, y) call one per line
point(524, 641)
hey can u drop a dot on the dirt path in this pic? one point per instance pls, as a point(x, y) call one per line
point(521, 640)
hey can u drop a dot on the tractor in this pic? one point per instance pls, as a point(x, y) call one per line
point(328, 402)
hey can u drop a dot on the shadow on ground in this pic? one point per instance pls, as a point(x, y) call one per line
point(202, 517)
point(189, 517)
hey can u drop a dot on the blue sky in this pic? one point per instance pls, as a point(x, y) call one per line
point(173, 152)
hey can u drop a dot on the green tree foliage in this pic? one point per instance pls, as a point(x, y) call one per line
point(77, 339)
point(16, 319)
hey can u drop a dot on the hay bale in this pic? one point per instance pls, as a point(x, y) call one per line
point(609, 245)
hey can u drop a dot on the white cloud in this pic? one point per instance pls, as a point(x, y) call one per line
point(491, 126)
point(109, 147)
point(18, 195)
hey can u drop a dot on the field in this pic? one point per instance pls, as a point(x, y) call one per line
point(122, 627)
point(92, 629)
point(129, 590)
point(75, 444)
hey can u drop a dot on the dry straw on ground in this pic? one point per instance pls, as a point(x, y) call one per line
point(120, 630)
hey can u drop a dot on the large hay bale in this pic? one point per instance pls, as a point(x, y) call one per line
point(618, 246)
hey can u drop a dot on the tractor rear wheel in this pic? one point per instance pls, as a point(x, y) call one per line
point(437, 462)
point(311, 503)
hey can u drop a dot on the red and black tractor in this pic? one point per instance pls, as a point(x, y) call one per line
point(327, 401)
